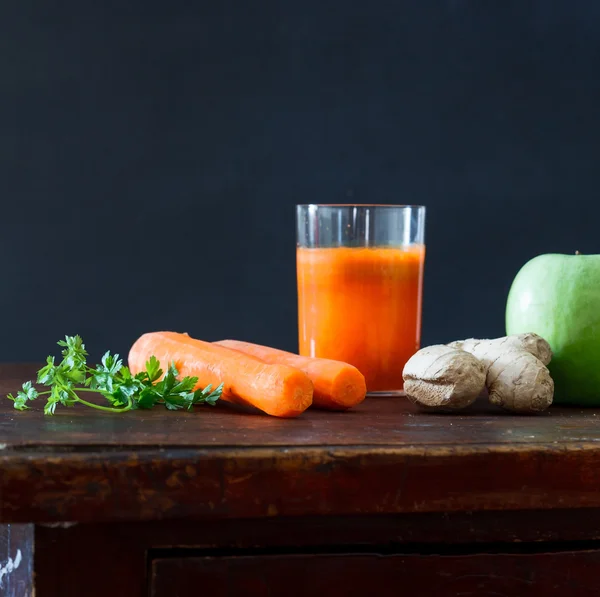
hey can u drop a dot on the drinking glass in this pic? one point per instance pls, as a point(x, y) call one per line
point(360, 286)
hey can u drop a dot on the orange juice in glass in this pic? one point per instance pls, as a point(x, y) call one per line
point(360, 281)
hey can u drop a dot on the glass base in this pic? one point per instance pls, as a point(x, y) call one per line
point(386, 393)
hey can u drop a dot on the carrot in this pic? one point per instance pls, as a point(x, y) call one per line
point(338, 386)
point(277, 390)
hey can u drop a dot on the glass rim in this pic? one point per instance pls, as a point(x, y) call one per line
point(383, 205)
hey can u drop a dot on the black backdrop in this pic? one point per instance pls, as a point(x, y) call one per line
point(152, 152)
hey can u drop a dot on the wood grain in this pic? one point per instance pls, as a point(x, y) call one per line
point(385, 458)
point(424, 532)
point(377, 422)
point(357, 575)
point(72, 560)
point(238, 483)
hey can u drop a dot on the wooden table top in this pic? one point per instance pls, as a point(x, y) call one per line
point(384, 457)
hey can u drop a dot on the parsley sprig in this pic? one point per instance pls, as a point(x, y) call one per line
point(113, 380)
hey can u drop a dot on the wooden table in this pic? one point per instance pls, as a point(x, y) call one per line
point(384, 500)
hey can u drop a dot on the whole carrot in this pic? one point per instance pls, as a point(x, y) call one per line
point(277, 390)
point(337, 385)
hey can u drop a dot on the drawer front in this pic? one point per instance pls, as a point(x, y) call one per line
point(572, 574)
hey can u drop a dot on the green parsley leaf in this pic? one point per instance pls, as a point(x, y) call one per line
point(27, 393)
point(74, 353)
point(20, 401)
point(148, 398)
point(125, 391)
point(125, 372)
point(172, 405)
point(103, 382)
point(75, 375)
point(112, 380)
point(57, 395)
point(206, 396)
point(50, 407)
point(111, 363)
point(46, 374)
point(185, 385)
point(153, 369)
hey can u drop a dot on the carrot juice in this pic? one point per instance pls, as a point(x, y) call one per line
point(362, 306)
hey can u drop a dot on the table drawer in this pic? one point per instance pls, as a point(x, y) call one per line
point(572, 574)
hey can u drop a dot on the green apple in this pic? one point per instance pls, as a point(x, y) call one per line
point(558, 297)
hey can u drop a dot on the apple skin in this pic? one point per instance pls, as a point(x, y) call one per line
point(558, 297)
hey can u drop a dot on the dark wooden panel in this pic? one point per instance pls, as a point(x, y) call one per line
point(578, 527)
point(96, 560)
point(16, 560)
point(571, 574)
point(240, 483)
point(378, 421)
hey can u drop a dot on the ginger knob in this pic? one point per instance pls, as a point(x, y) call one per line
point(443, 378)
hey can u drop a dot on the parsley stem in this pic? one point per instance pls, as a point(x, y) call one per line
point(87, 390)
point(107, 409)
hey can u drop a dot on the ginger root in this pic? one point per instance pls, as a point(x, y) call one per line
point(514, 372)
point(517, 378)
point(443, 378)
point(532, 343)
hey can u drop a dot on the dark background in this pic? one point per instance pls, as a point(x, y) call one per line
point(152, 153)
